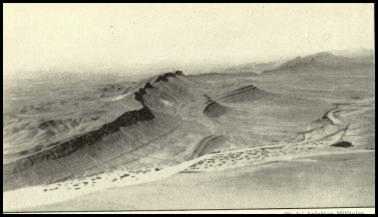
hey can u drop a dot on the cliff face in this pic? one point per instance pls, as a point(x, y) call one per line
point(158, 99)
point(64, 148)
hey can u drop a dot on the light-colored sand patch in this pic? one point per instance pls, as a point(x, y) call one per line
point(344, 180)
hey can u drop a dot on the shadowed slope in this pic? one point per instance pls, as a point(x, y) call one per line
point(214, 109)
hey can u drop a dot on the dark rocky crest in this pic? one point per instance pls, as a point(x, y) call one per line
point(165, 76)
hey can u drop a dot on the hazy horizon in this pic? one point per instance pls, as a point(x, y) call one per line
point(139, 37)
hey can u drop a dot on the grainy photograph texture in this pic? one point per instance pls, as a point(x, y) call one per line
point(127, 107)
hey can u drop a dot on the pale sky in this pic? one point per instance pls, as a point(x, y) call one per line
point(81, 37)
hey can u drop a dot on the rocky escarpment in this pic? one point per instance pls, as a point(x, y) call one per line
point(61, 149)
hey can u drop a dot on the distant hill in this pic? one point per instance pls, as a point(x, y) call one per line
point(326, 60)
point(340, 59)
